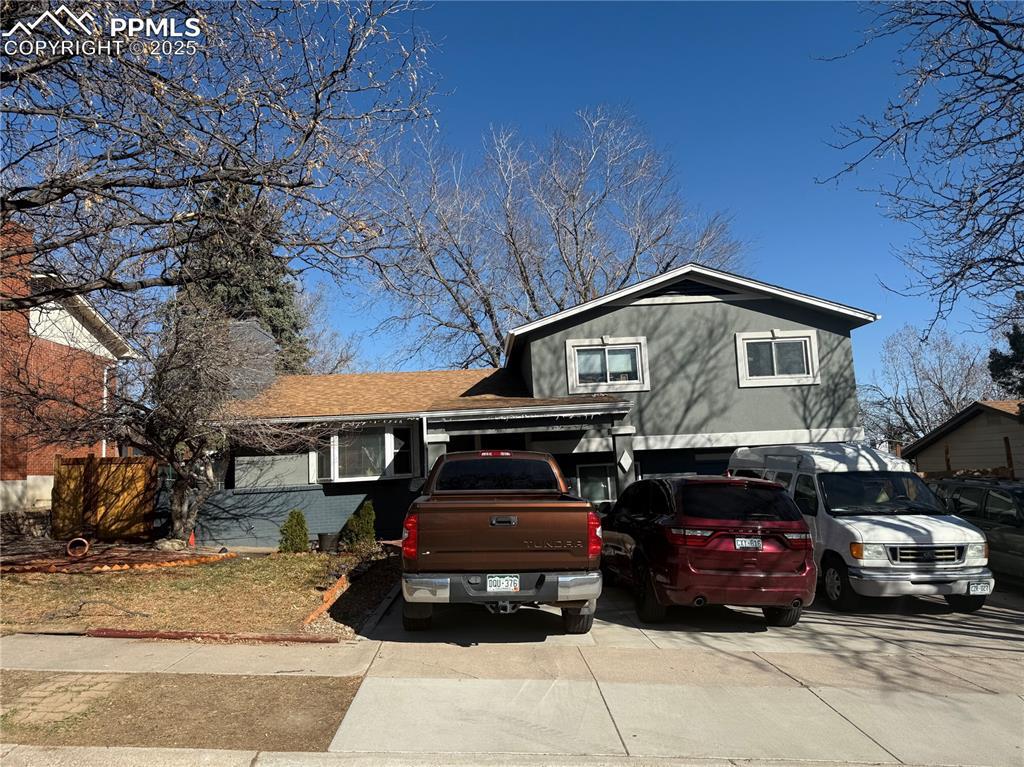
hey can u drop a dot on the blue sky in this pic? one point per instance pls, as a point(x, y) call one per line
point(738, 96)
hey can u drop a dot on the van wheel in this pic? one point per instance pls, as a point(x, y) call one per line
point(838, 591)
point(416, 617)
point(782, 616)
point(648, 608)
point(575, 622)
point(964, 603)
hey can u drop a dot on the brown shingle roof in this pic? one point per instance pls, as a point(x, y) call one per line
point(357, 394)
point(1011, 406)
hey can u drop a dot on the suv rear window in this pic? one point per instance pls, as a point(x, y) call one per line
point(496, 474)
point(719, 500)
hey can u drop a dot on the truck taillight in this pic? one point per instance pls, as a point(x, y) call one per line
point(593, 535)
point(495, 453)
point(411, 535)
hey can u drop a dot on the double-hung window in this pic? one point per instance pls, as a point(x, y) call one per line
point(777, 358)
point(373, 453)
point(607, 364)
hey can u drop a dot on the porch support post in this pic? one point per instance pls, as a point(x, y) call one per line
point(437, 445)
point(622, 442)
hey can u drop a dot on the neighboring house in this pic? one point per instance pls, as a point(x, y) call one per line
point(64, 347)
point(975, 439)
point(663, 377)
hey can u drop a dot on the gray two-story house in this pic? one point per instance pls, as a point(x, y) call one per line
point(664, 377)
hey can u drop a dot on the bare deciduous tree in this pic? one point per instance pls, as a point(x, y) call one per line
point(923, 383)
point(468, 252)
point(955, 133)
point(107, 158)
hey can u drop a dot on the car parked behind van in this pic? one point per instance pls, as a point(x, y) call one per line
point(996, 506)
point(878, 530)
point(704, 540)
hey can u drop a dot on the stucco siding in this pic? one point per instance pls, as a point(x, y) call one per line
point(694, 386)
point(977, 444)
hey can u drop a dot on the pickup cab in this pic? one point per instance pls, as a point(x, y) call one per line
point(499, 528)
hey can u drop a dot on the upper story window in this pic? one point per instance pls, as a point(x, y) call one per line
point(607, 364)
point(377, 453)
point(777, 358)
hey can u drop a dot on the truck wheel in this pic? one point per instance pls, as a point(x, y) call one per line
point(782, 616)
point(648, 608)
point(416, 617)
point(964, 603)
point(838, 591)
point(575, 621)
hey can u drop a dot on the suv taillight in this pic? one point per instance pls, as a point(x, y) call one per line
point(411, 535)
point(593, 535)
point(799, 540)
point(688, 536)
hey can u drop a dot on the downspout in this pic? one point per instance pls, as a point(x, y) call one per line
point(106, 397)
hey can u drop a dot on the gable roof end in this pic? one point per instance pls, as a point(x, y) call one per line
point(859, 316)
point(1008, 407)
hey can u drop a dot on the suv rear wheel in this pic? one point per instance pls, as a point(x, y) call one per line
point(782, 616)
point(838, 591)
point(964, 603)
point(648, 608)
point(416, 617)
point(575, 621)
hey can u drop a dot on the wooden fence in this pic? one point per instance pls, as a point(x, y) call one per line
point(106, 498)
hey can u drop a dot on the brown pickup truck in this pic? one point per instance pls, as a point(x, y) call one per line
point(499, 528)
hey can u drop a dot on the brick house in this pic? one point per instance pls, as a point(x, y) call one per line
point(64, 348)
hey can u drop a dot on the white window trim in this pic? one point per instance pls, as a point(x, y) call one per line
point(389, 449)
point(575, 387)
point(748, 381)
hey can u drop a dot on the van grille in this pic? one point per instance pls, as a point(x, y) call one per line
point(926, 555)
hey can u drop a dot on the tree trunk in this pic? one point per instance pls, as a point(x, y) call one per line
point(189, 492)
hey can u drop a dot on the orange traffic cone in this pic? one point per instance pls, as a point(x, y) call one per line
point(192, 539)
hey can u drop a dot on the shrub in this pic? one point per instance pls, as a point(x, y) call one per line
point(294, 533)
point(361, 527)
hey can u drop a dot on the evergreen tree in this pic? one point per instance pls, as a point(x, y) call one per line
point(234, 268)
point(1007, 368)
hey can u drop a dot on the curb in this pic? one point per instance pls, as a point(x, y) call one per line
point(379, 612)
point(330, 597)
point(211, 636)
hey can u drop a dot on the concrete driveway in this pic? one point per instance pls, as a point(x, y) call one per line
point(903, 681)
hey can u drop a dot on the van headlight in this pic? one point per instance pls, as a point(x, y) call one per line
point(977, 550)
point(867, 551)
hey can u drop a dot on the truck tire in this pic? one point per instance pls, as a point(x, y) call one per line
point(416, 617)
point(964, 603)
point(575, 621)
point(648, 608)
point(782, 616)
point(838, 591)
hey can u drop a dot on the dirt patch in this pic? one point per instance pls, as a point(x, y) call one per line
point(284, 713)
point(365, 592)
point(258, 595)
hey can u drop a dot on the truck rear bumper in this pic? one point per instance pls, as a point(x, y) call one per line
point(458, 588)
point(890, 583)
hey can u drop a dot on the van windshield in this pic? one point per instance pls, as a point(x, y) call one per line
point(877, 492)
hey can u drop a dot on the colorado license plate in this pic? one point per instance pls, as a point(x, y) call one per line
point(503, 583)
point(748, 543)
point(979, 588)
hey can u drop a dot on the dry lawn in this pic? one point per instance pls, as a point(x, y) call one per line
point(259, 594)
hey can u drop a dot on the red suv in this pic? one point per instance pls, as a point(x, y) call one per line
point(710, 540)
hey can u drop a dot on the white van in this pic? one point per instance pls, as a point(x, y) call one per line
point(878, 530)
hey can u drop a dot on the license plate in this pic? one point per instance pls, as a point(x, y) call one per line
point(504, 583)
point(748, 543)
point(979, 588)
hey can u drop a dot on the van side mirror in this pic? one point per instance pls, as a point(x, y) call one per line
point(808, 506)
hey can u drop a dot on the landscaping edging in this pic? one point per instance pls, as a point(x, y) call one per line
point(212, 636)
point(330, 596)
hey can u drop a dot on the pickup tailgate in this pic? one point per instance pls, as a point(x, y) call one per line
point(516, 534)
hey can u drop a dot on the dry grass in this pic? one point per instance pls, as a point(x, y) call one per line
point(258, 594)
